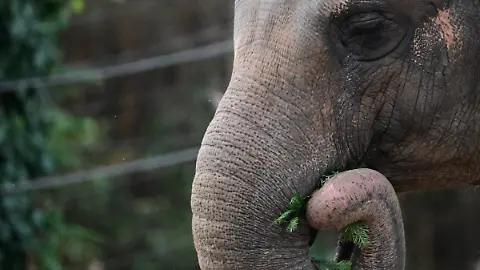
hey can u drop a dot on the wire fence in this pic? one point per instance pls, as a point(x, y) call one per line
point(97, 74)
point(129, 64)
point(83, 76)
point(139, 165)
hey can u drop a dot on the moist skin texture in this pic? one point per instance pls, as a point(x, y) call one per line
point(321, 85)
point(363, 195)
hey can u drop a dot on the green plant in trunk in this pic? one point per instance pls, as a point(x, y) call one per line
point(356, 233)
point(296, 210)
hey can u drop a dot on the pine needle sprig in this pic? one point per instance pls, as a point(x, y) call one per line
point(356, 233)
point(327, 176)
point(296, 209)
point(331, 265)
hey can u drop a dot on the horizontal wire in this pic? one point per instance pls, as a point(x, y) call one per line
point(80, 76)
point(145, 164)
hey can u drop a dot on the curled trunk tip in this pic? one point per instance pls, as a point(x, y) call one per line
point(341, 200)
point(363, 195)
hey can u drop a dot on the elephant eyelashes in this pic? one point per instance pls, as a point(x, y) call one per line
point(370, 35)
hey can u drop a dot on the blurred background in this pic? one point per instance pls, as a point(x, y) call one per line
point(103, 105)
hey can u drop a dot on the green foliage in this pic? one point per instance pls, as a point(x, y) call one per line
point(298, 205)
point(68, 135)
point(74, 243)
point(30, 233)
point(356, 233)
point(329, 265)
point(77, 6)
point(296, 209)
point(67, 243)
point(327, 176)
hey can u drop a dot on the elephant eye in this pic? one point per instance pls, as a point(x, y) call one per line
point(370, 35)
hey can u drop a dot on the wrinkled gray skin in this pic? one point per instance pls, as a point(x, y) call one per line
point(362, 195)
point(318, 86)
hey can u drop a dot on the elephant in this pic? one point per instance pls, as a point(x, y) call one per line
point(320, 85)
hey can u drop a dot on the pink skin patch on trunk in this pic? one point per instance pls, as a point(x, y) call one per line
point(443, 20)
point(442, 30)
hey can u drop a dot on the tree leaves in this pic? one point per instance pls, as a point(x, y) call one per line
point(29, 47)
point(77, 6)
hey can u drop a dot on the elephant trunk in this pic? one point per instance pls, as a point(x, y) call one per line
point(363, 195)
point(255, 155)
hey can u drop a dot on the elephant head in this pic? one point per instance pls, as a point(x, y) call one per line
point(318, 85)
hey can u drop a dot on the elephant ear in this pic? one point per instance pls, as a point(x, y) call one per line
point(361, 201)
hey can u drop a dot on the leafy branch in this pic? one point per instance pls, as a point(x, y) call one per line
point(327, 176)
point(297, 208)
point(298, 205)
point(330, 265)
point(356, 233)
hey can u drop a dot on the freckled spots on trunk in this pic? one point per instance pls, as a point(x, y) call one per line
point(443, 30)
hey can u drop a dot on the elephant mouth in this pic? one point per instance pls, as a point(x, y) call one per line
point(347, 251)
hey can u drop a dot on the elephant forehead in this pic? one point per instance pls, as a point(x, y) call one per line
point(280, 20)
point(264, 10)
